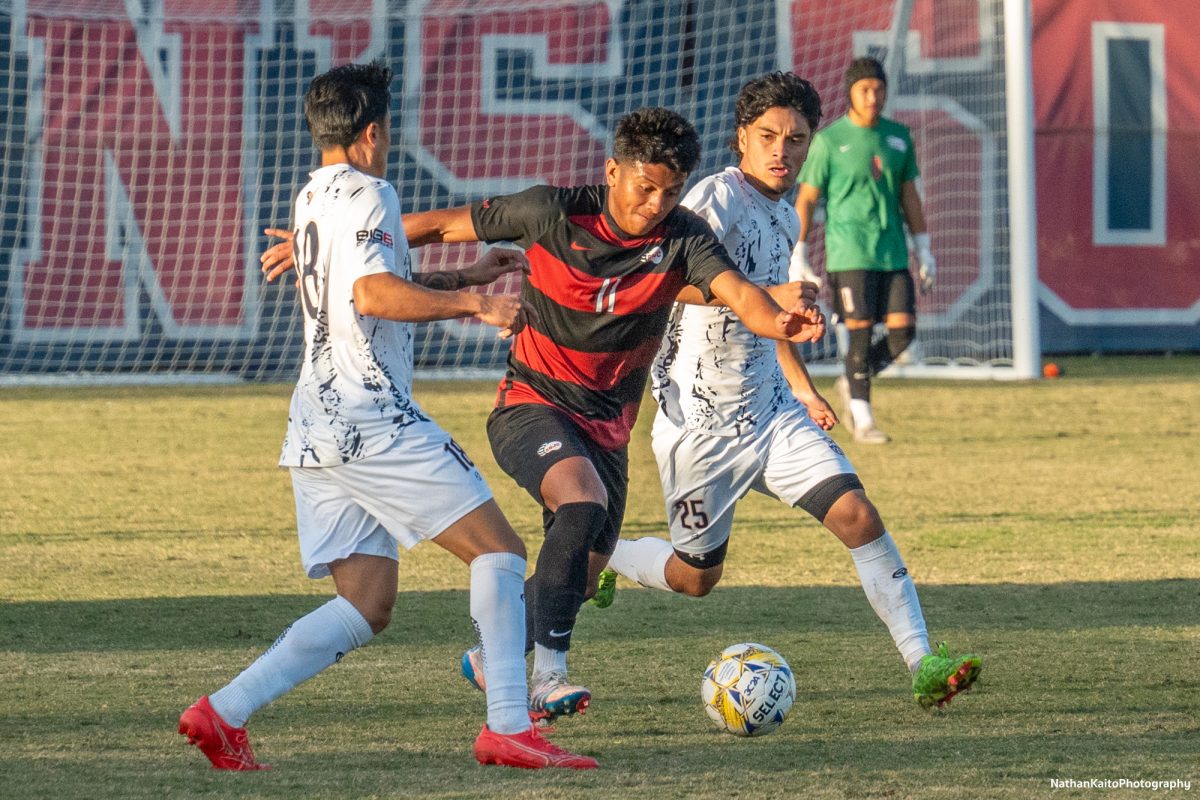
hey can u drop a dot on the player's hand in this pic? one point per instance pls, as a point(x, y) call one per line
point(495, 264)
point(800, 270)
point(278, 258)
point(818, 409)
point(788, 294)
point(927, 264)
point(803, 323)
point(505, 312)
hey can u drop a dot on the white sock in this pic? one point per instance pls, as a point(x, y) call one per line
point(498, 612)
point(643, 560)
point(891, 592)
point(861, 411)
point(546, 660)
point(315, 641)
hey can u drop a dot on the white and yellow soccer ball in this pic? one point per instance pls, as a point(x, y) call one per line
point(748, 690)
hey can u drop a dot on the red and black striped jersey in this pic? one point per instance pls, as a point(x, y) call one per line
point(602, 300)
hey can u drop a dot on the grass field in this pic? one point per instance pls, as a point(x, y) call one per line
point(148, 554)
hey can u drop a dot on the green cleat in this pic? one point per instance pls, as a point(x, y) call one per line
point(940, 676)
point(606, 589)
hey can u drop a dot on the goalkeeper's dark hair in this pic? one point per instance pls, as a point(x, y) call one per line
point(342, 102)
point(657, 136)
point(775, 90)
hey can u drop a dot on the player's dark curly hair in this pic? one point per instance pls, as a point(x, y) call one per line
point(775, 90)
point(342, 102)
point(657, 136)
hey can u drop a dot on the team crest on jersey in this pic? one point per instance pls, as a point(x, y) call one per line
point(548, 448)
point(375, 235)
point(654, 255)
point(897, 144)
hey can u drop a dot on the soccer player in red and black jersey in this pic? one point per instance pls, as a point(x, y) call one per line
point(605, 264)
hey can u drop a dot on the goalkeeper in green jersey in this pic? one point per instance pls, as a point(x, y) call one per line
point(865, 168)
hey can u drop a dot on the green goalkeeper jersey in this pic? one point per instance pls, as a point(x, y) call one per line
point(860, 171)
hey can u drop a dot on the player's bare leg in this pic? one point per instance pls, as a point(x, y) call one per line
point(653, 563)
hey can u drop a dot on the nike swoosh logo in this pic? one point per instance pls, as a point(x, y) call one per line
point(577, 246)
point(557, 634)
point(844, 148)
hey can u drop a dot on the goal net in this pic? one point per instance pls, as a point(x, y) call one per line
point(146, 144)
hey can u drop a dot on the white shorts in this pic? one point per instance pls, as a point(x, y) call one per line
point(412, 491)
point(703, 476)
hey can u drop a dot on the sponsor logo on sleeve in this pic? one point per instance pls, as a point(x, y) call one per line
point(375, 235)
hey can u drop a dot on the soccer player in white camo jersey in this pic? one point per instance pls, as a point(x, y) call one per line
point(369, 468)
point(728, 421)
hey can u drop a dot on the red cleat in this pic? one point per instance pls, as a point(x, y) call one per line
point(528, 750)
point(226, 747)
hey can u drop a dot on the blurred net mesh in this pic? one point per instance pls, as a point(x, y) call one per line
point(147, 144)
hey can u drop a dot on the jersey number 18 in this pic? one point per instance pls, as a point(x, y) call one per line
point(306, 251)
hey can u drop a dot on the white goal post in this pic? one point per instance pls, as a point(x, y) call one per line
point(145, 145)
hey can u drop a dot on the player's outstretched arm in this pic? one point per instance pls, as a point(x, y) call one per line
point(494, 264)
point(785, 295)
point(389, 296)
point(803, 322)
point(445, 225)
point(803, 389)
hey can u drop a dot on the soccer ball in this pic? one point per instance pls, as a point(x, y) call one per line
point(748, 690)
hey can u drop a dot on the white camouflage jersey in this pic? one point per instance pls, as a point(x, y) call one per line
point(711, 373)
point(354, 394)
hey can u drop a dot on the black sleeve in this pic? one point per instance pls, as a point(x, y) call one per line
point(521, 218)
point(706, 257)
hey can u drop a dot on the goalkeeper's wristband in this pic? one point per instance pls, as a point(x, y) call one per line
point(921, 242)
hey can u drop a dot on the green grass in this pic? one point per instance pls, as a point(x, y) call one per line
point(148, 554)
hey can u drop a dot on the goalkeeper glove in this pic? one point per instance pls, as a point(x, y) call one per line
point(799, 269)
point(927, 264)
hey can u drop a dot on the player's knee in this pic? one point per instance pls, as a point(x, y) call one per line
point(899, 339)
point(695, 582)
point(378, 616)
point(563, 561)
point(696, 575)
point(854, 519)
point(705, 582)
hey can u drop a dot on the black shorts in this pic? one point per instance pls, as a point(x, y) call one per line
point(529, 438)
point(872, 294)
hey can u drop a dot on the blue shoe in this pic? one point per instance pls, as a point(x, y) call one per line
point(472, 668)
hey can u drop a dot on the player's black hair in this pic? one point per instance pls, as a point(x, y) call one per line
point(342, 102)
point(657, 136)
point(863, 68)
point(775, 90)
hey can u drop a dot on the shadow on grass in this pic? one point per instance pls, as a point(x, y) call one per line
point(734, 613)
